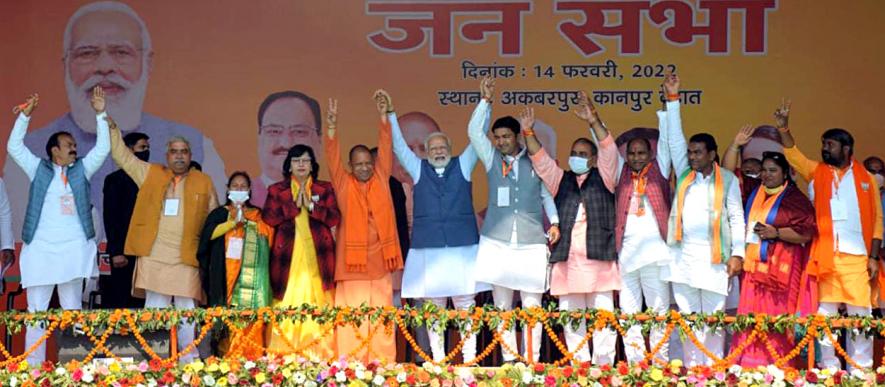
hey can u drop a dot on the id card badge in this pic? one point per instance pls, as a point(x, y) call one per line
point(752, 237)
point(170, 207)
point(67, 204)
point(234, 248)
point(503, 196)
point(838, 210)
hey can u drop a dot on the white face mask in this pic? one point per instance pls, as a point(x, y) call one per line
point(753, 175)
point(238, 196)
point(578, 165)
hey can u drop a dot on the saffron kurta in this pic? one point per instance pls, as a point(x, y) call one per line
point(844, 278)
point(367, 246)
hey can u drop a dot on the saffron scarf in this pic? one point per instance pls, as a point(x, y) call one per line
point(824, 249)
point(718, 196)
point(640, 181)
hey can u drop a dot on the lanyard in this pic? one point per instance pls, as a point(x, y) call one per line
point(506, 168)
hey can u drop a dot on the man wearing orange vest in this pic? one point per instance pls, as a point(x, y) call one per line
point(172, 204)
point(368, 244)
point(844, 254)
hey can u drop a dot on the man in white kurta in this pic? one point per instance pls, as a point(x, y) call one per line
point(437, 273)
point(699, 285)
point(510, 264)
point(59, 253)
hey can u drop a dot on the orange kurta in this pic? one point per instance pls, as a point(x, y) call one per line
point(844, 278)
point(367, 247)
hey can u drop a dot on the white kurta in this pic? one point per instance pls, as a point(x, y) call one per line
point(692, 263)
point(506, 263)
point(443, 271)
point(59, 251)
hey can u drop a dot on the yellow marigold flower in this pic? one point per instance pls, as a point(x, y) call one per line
point(657, 375)
point(260, 377)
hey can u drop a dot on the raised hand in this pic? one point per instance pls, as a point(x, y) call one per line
point(111, 123)
point(744, 135)
point(98, 102)
point(527, 118)
point(585, 109)
point(782, 113)
point(383, 101)
point(29, 105)
point(332, 116)
point(487, 88)
point(671, 84)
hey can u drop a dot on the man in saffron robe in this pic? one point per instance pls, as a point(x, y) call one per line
point(844, 254)
point(368, 245)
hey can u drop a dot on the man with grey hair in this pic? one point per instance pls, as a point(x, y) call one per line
point(444, 233)
point(172, 204)
point(106, 43)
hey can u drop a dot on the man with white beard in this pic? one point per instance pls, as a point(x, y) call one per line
point(106, 43)
point(444, 232)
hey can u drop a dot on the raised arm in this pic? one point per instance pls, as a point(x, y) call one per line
point(479, 121)
point(95, 158)
point(662, 154)
point(732, 158)
point(16, 144)
point(675, 136)
point(803, 165)
point(122, 155)
point(550, 173)
point(333, 151)
point(407, 159)
point(527, 122)
point(587, 112)
point(384, 162)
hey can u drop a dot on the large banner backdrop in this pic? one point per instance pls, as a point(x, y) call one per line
point(239, 77)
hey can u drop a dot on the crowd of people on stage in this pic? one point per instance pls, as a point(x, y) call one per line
point(641, 225)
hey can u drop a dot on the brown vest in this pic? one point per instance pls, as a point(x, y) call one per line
point(149, 208)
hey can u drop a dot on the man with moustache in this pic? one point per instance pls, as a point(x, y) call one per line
point(119, 201)
point(58, 234)
point(844, 253)
point(642, 199)
point(512, 249)
point(705, 229)
point(444, 233)
point(585, 268)
point(106, 43)
point(171, 207)
point(285, 119)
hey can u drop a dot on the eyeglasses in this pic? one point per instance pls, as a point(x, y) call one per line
point(300, 161)
point(299, 130)
point(121, 54)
